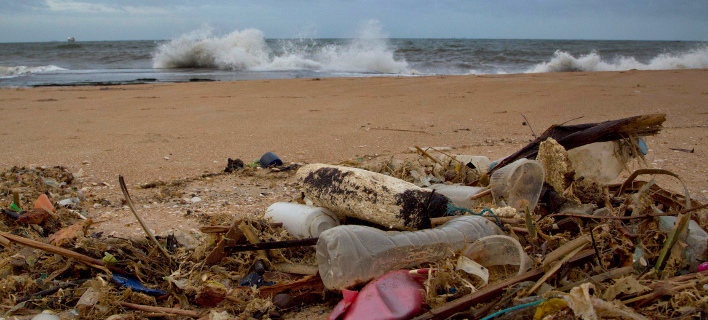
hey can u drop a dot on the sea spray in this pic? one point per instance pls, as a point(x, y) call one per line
point(563, 61)
point(200, 49)
point(248, 50)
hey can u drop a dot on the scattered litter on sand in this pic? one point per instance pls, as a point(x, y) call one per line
point(580, 248)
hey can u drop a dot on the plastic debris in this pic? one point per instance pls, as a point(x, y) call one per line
point(135, 285)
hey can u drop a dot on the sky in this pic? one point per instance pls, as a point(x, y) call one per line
point(55, 20)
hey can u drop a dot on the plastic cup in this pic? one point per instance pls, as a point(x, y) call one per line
point(498, 250)
point(519, 183)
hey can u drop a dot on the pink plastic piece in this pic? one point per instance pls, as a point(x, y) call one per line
point(703, 266)
point(342, 307)
point(395, 295)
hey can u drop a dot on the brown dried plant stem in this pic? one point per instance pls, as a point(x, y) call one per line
point(140, 220)
point(182, 312)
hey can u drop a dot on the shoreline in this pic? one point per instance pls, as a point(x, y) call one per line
point(168, 131)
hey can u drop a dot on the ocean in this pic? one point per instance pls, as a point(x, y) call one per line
point(248, 54)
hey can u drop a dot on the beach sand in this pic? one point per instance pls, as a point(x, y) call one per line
point(163, 132)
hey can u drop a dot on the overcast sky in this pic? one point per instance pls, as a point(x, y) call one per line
point(55, 20)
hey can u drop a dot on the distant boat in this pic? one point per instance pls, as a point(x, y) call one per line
point(71, 39)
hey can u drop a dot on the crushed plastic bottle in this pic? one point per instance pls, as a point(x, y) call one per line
point(352, 254)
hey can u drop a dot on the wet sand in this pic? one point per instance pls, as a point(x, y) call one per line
point(169, 131)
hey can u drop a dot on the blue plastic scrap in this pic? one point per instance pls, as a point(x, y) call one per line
point(253, 279)
point(135, 285)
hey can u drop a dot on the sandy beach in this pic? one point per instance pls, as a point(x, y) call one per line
point(163, 132)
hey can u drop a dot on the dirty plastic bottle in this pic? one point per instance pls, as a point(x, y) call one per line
point(519, 183)
point(352, 254)
point(459, 195)
point(302, 221)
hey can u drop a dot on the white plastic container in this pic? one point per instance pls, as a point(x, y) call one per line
point(599, 161)
point(353, 254)
point(459, 195)
point(519, 183)
point(302, 221)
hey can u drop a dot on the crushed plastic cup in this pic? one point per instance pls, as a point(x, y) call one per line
point(519, 183)
point(498, 250)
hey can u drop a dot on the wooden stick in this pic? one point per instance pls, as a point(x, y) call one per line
point(490, 292)
point(427, 155)
point(60, 251)
point(50, 290)
point(182, 312)
point(553, 270)
point(481, 194)
point(5, 242)
point(401, 130)
point(273, 245)
point(614, 273)
point(140, 219)
point(563, 250)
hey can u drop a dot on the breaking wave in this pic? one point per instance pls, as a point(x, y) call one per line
point(565, 62)
point(247, 50)
point(8, 72)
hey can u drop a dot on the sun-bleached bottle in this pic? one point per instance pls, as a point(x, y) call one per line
point(302, 221)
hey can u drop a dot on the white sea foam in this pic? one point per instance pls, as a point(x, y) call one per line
point(563, 62)
point(13, 71)
point(248, 50)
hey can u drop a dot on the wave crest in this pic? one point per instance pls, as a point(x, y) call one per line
point(565, 62)
point(13, 71)
point(247, 49)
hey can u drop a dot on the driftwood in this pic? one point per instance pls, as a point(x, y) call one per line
point(578, 135)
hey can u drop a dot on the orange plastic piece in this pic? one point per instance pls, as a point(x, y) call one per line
point(44, 203)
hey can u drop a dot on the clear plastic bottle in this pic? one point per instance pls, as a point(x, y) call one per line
point(352, 254)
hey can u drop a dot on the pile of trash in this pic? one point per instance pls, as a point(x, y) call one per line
point(540, 234)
